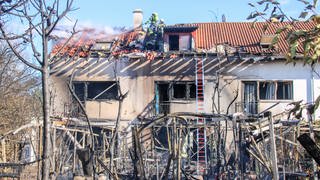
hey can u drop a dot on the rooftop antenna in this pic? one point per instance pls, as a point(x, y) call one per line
point(215, 19)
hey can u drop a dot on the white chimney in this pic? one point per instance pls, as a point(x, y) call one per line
point(137, 18)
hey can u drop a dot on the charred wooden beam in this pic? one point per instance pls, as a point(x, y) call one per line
point(311, 147)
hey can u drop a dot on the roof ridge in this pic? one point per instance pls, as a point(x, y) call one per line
point(236, 22)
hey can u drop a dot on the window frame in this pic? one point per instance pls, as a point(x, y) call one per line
point(187, 84)
point(184, 41)
point(187, 93)
point(86, 90)
point(175, 43)
point(275, 90)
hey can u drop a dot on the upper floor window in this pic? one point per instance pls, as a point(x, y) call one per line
point(179, 42)
point(181, 90)
point(96, 90)
point(173, 42)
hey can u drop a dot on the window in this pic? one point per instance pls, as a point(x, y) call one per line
point(173, 42)
point(182, 90)
point(102, 90)
point(192, 91)
point(266, 90)
point(98, 90)
point(180, 42)
point(281, 90)
point(79, 88)
point(184, 42)
point(284, 90)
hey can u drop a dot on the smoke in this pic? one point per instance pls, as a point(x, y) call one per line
point(87, 31)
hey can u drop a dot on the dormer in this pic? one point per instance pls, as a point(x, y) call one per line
point(102, 46)
point(178, 38)
point(101, 49)
point(266, 40)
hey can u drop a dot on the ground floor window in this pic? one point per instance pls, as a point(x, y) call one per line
point(275, 90)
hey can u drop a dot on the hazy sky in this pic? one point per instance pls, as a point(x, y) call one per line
point(110, 13)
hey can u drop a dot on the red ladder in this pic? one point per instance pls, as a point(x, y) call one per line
point(201, 130)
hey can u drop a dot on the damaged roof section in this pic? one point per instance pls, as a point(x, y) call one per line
point(244, 37)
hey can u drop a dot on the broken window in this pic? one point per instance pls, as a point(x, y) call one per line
point(102, 90)
point(162, 98)
point(192, 90)
point(182, 90)
point(179, 91)
point(79, 89)
point(163, 89)
point(96, 90)
point(173, 42)
point(284, 90)
point(267, 90)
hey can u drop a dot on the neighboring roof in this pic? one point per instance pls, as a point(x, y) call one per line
point(241, 34)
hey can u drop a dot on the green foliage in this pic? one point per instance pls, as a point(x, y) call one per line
point(307, 40)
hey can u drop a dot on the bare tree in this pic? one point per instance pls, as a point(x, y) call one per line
point(18, 87)
point(38, 20)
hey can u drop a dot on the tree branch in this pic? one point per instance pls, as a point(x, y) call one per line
point(17, 53)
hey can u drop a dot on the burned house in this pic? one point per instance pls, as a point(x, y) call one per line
point(179, 83)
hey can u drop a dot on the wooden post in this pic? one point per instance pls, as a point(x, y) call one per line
point(274, 159)
point(138, 160)
point(179, 153)
point(174, 137)
point(54, 149)
point(74, 153)
point(4, 153)
point(310, 119)
point(104, 146)
point(3, 150)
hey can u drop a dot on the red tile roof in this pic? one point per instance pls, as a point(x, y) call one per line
point(241, 34)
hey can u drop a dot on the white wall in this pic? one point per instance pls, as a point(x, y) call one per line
point(137, 77)
point(306, 84)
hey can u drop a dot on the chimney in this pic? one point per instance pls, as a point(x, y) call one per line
point(137, 18)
